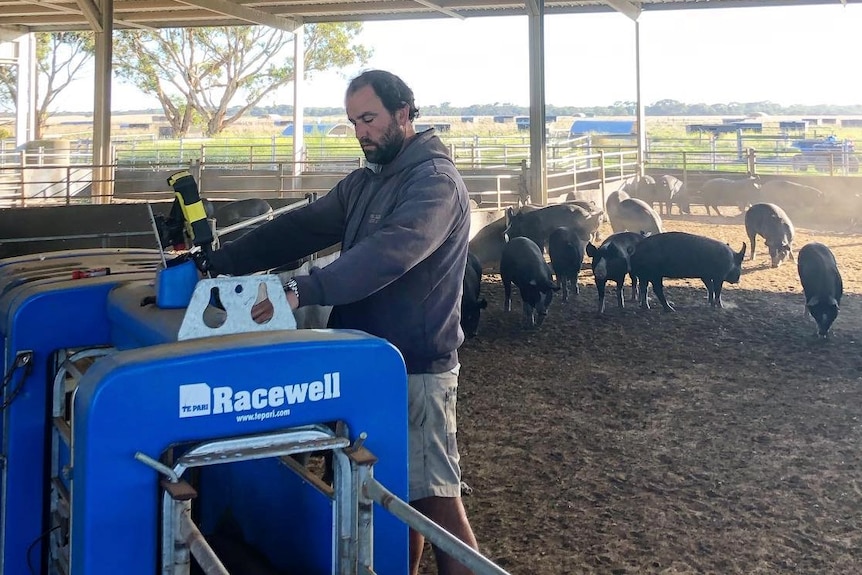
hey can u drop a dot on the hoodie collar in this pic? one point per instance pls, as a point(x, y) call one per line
point(414, 151)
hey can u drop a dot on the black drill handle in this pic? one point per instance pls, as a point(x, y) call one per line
point(194, 214)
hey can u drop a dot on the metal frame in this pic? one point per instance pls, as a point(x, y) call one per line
point(176, 532)
point(65, 380)
point(354, 491)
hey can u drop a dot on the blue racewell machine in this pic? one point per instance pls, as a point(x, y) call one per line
point(150, 425)
point(136, 436)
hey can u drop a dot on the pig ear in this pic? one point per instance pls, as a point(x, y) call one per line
point(591, 249)
point(813, 301)
point(742, 251)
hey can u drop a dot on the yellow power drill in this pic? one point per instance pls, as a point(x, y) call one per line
point(186, 226)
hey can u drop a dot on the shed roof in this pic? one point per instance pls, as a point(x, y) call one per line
point(336, 129)
point(66, 15)
point(614, 127)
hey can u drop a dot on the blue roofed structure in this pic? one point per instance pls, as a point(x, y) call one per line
point(613, 127)
point(337, 129)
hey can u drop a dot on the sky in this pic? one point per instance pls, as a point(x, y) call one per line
point(787, 55)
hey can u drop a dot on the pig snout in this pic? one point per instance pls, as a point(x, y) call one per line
point(779, 255)
point(601, 270)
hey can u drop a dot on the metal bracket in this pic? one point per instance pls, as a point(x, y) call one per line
point(237, 295)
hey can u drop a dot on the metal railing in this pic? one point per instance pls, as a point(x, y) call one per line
point(789, 162)
point(495, 174)
point(496, 185)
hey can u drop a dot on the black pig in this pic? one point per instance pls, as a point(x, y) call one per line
point(682, 255)
point(567, 254)
point(524, 265)
point(611, 262)
point(770, 221)
point(471, 303)
point(821, 283)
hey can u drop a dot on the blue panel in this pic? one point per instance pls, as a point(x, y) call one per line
point(131, 401)
point(43, 316)
point(134, 325)
point(267, 502)
point(308, 129)
point(619, 127)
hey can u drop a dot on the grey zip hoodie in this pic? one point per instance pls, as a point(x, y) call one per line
point(403, 228)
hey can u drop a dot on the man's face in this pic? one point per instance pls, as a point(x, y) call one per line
point(380, 133)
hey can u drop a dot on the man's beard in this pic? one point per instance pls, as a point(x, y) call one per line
point(388, 147)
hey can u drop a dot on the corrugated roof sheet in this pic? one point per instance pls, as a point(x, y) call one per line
point(56, 15)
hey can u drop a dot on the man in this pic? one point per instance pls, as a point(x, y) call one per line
point(403, 223)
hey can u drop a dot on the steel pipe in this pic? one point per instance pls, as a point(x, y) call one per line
point(201, 550)
point(451, 545)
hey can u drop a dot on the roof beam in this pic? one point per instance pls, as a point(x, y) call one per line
point(440, 9)
point(11, 33)
point(91, 13)
point(250, 15)
point(86, 8)
point(626, 7)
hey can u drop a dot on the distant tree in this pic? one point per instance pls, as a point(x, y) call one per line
point(8, 87)
point(60, 56)
point(202, 72)
point(665, 108)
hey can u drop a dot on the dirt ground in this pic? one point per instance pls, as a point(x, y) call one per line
point(701, 441)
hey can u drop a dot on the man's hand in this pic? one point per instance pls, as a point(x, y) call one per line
point(261, 312)
point(201, 260)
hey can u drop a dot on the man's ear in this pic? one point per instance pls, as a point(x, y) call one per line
point(402, 114)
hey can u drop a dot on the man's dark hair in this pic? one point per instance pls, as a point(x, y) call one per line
point(391, 90)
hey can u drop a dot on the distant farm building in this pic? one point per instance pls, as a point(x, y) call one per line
point(791, 126)
point(604, 127)
point(439, 126)
point(728, 128)
point(339, 129)
point(523, 122)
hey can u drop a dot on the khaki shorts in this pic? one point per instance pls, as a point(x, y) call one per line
point(434, 468)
